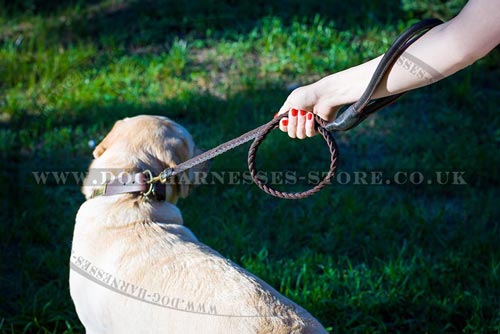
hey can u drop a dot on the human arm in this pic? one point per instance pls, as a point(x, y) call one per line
point(441, 52)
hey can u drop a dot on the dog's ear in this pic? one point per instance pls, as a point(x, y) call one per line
point(98, 151)
point(193, 176)
point(107, 141)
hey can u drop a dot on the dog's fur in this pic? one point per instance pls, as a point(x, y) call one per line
point(142, 243)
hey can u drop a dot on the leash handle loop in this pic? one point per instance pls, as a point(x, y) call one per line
point(351, 117)
point(332, 146)
point(364, 107)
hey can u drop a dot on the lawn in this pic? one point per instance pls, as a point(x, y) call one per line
point(387, 258)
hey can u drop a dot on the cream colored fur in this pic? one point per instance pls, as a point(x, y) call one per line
point(143, 245)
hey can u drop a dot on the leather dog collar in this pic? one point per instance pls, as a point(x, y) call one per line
point(132, 183)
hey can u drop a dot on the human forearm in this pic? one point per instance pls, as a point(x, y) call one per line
point(441, 52)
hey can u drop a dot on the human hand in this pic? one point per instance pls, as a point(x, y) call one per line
point(301, 106)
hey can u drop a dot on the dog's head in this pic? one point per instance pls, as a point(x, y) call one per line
point(146, 142)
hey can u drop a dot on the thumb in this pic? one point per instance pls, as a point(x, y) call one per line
point(284, 108)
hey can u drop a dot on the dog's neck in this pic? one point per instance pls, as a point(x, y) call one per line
point(103, 181)
point(123, 210)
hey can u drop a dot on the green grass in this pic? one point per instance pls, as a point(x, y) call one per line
point(362, 259)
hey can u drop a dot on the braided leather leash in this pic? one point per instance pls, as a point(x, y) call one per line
point(258, 135)
point(351, 117)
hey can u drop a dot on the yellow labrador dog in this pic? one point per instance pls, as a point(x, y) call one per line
point(136, 269)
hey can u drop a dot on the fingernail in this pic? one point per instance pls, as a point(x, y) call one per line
point(309, 116)
point(294, 112)
point(303, 113)
point(285, 122)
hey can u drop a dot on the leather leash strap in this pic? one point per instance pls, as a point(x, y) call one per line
point(350, 117)
point(364, 107)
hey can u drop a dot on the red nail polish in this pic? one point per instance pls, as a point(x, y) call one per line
point(309, 116)
point(294, 112)
point(303, 113)
point(285, 122)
